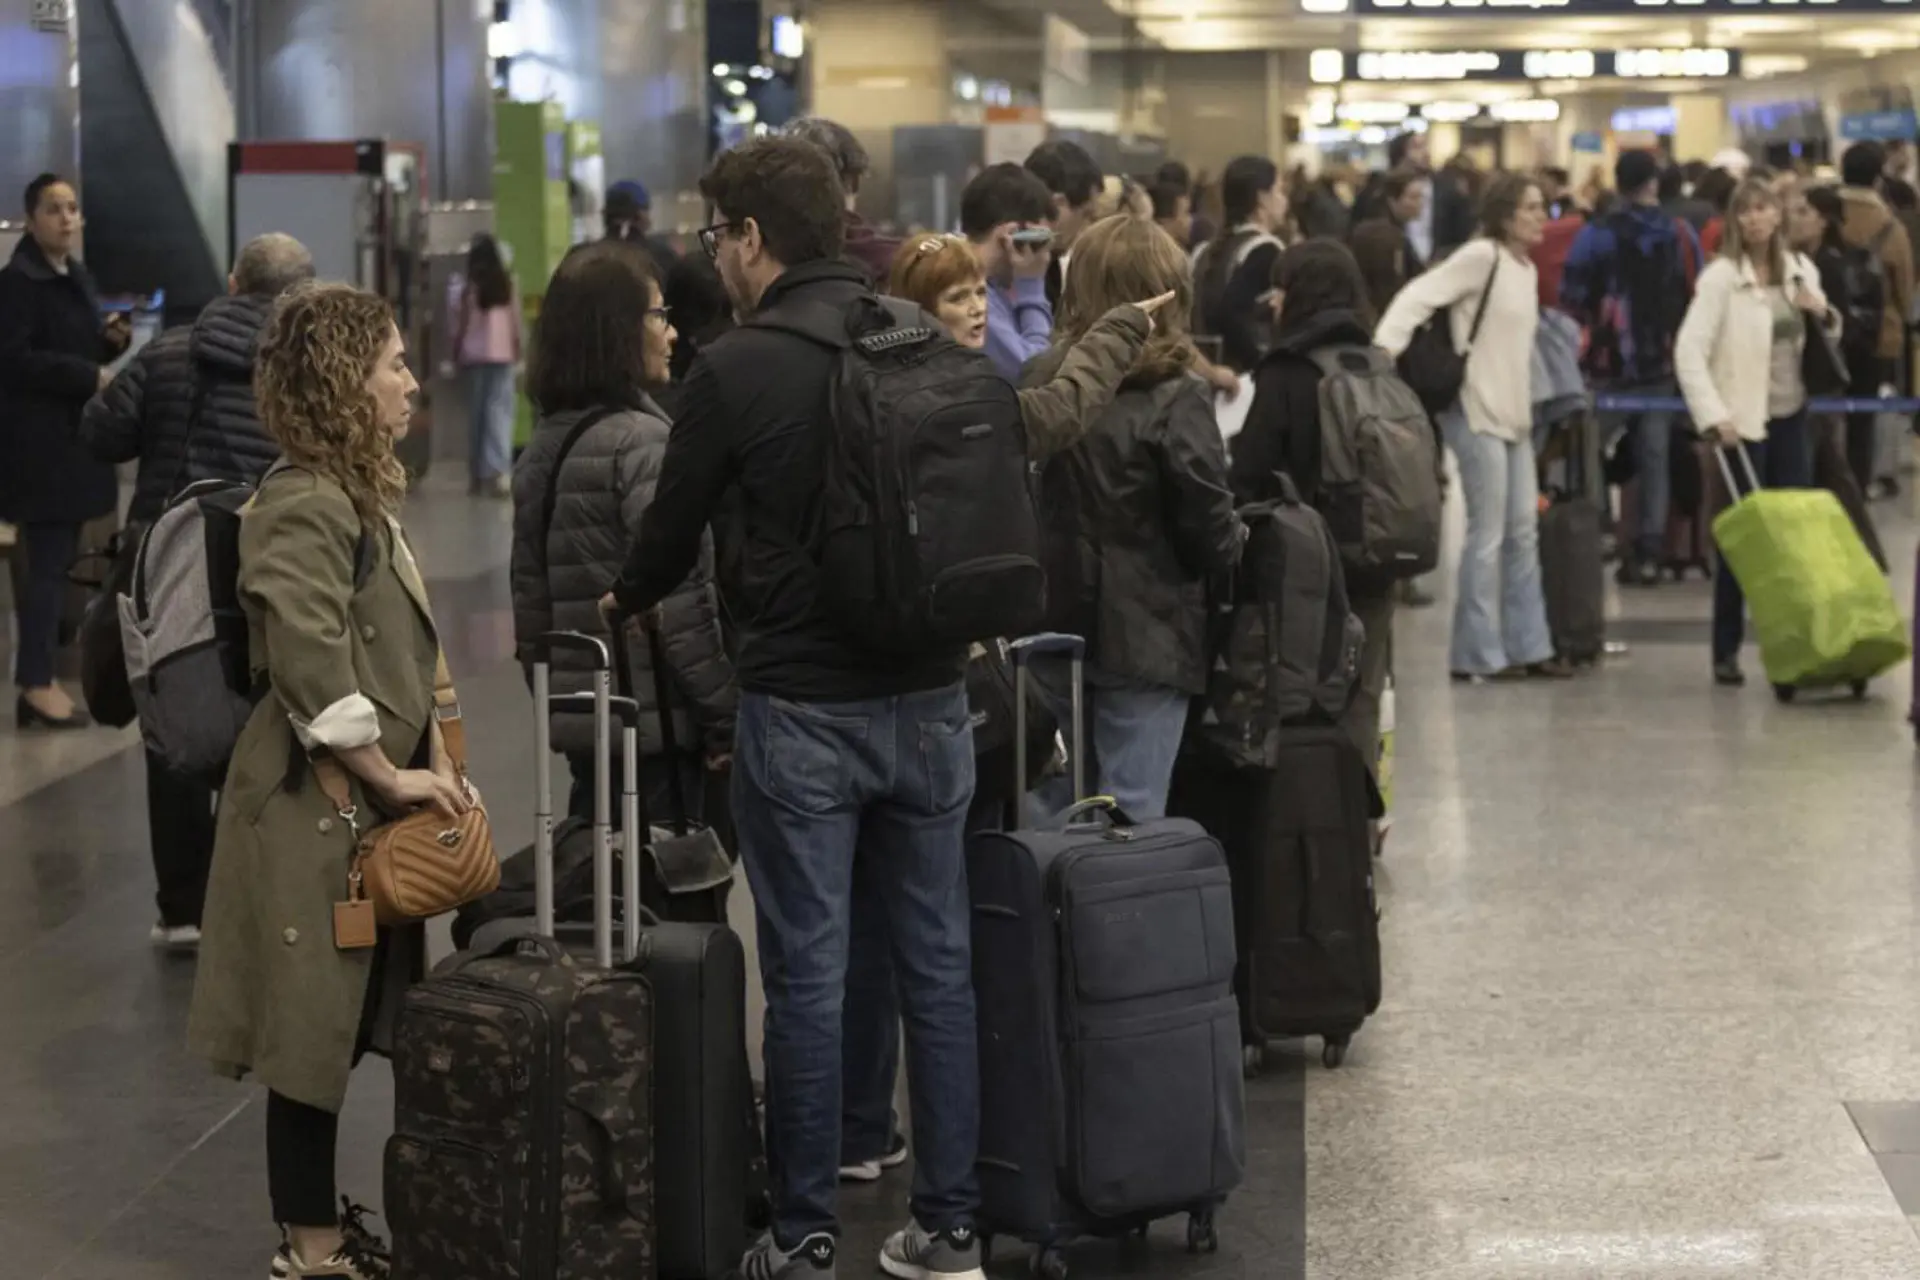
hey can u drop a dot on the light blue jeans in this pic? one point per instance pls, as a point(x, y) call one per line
point(490, 404)
point(1133, 735)
point(1499, 610)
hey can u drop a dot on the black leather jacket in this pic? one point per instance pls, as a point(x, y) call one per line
point(1141, 518)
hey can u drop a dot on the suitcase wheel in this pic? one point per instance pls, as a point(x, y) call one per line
point(1202, 1236)
point(1253, 1060)
point(1048, 1263)
point(1783, 693)
point(1859, 690)
point(1333, 1053)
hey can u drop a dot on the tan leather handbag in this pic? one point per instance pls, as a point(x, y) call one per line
point(423, 864)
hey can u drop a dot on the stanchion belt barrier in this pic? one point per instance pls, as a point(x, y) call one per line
point(1822, 404)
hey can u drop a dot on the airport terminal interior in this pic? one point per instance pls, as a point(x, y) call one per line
point(1650, 944)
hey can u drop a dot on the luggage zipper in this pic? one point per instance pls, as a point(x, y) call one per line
point(534, 1250)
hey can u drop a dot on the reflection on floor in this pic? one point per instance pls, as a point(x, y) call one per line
point(1650, 971)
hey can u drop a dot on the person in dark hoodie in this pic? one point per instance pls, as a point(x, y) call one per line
point(54, 351)
point(1629, 277)
point(1323, 303)
point(184, 408)
point(865, 247)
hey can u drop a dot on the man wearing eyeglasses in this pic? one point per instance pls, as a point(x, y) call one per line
point(839, 747)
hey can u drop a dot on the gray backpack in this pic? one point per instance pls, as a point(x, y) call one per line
point(1379, 466)
point(185, 634)
point(1292, 649)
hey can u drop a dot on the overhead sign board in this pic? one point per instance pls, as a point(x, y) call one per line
point(1879, 126)
point(1588, 8)
point(1331, 66)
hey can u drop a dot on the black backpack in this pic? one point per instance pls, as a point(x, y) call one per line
point(929, 535)
point(1863, 295)
point(1637, 312)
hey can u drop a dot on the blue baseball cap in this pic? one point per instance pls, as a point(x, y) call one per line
point(630, 191)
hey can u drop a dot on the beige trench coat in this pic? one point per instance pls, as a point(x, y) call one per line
point(273, 996)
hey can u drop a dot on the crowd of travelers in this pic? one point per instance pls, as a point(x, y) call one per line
point(674, 484)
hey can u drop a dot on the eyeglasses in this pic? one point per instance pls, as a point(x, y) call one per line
point(710, 237)
point(663, 314)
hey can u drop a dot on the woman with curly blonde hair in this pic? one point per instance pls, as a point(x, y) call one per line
point(1142, 517)
point(346, 665)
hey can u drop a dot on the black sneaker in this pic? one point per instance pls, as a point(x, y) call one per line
point(873, 1170)
point(1728, 673)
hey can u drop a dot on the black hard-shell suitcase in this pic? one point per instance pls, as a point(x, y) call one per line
point(1572, 567)
point(523, 1144)
point(1299, 841)
point(1110, 1081)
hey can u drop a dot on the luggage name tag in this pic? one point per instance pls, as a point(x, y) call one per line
point(354, 926)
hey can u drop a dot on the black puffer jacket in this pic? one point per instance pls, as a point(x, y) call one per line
point(147, 412)
point(1144, 505)
point(606, 481)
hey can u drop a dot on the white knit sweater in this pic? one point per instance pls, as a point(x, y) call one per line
point(1498, 397)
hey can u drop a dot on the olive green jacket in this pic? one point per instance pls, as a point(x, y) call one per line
point(1086, 377)
point(273, 996)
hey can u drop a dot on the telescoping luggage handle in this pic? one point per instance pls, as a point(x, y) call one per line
point(604, 707)
point(1024, 650)
point(669, 736)
point(1720, 451)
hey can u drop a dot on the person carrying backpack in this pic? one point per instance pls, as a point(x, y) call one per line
point(853, 733)
point(1326, 330)
point(184, 407)
point(1628, 277)
point(1232, 271)
point(1879, 268)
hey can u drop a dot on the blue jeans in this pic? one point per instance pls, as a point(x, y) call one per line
point(814, 785)
point(491, 406)
point(1784, 460)
point(50, 549)
point(1134, 734)
point(1500, 610)
point(1653, 440)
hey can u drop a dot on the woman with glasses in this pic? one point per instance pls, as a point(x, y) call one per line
point(602, 342)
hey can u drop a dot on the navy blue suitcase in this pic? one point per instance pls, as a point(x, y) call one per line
point(1103, 962)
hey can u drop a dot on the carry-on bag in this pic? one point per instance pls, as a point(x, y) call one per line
point(685, 871)
point(1822, 611)
point(1110, 1088)
point(523, 1144)
point(1571, 570)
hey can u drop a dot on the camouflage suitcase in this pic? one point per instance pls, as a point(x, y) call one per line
point(523, 1143)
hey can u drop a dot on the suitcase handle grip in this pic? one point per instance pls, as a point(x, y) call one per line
point(547, 946)
point(624, 710)
point(1096, 808)
point(552, 642)
point(1028, 647)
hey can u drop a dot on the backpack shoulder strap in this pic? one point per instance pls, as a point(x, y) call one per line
point(1486, 293)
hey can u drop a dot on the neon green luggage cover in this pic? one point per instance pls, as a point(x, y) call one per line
point(1821, 609)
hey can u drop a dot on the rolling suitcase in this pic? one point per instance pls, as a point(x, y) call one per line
point(1822, 611)
point(1571, 569)
point(523, 1144)
point(1110, 1089)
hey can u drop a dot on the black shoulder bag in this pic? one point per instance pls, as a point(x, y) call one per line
point(1431, 365)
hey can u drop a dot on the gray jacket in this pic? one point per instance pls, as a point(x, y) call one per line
point(606, 482)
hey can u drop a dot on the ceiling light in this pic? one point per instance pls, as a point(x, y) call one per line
point(1450, 112)
point(1326, 66)
point(1525, 110)
point(1375, 112)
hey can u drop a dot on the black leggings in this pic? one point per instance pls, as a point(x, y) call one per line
point(300, 1156)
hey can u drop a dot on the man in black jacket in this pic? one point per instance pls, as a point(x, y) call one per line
point(184, 407)
point(839, 748)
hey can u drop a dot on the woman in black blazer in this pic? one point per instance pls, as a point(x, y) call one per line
point(54, 352)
